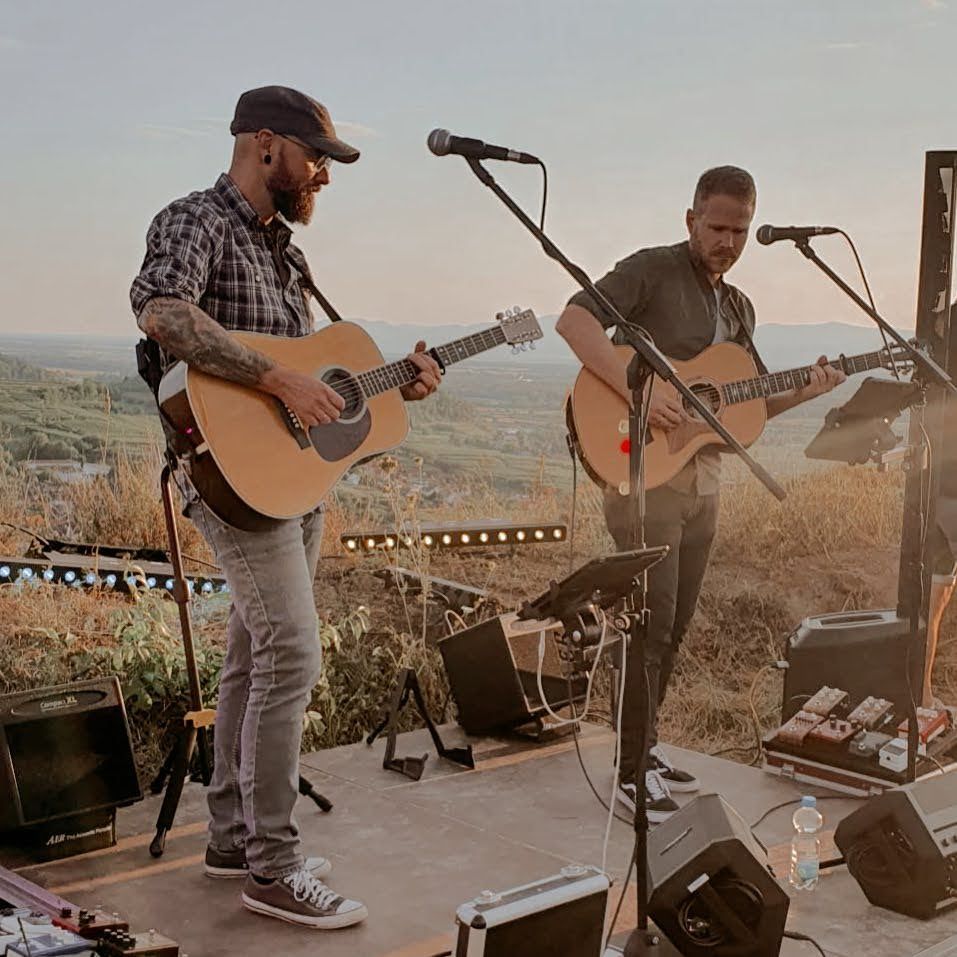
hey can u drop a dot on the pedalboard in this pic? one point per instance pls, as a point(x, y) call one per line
point(856, 748)
point(25, 933)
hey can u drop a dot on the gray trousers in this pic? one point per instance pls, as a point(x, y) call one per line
point(272, 664)
point(686, 521)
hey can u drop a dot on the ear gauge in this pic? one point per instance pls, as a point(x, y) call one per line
point(267, 159)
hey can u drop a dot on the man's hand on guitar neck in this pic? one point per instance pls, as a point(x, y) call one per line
point(428, 378)
point(824, 377)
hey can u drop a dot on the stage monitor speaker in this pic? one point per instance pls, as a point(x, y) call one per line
point(901, 847)
point(64, 751)
point(712, 893)
point(861, 652)
point(492, 669)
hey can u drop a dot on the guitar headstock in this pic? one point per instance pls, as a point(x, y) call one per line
point(895, 356)
point(520, 326)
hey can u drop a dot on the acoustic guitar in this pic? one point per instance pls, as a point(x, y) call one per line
point(252, 461)
point(723, 376)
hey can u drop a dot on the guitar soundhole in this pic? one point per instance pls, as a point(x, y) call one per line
point(346, 385)
point(708, 393)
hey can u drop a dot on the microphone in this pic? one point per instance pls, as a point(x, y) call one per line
point(771, 234)
point(442, 142)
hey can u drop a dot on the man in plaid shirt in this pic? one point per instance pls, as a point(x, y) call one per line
point(217, 260)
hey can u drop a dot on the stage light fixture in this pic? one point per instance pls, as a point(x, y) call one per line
point(458, 535)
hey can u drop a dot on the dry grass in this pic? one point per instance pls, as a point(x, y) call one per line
point(831, 545)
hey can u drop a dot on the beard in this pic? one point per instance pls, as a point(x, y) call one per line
point(294, 202)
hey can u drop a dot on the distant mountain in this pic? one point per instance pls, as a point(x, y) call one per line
point(781, 346)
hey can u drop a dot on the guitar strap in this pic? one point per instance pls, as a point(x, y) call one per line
point(327, 307)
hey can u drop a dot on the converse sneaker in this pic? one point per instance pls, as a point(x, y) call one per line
point(300, 898)
point(658, 802)
point(233, 863)
point(675, 779)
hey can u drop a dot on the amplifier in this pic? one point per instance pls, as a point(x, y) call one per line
point(862, 652)
point(560, 916)
point(492, 669)
point(64, 751)
point(901, 847)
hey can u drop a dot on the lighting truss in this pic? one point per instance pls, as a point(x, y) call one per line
point(488, 534)
point(104, 572)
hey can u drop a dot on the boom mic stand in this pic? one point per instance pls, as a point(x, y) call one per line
point(648, 362)
point(928, 372)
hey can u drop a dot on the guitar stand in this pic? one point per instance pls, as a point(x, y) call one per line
point(199, 720)
point(412, 767)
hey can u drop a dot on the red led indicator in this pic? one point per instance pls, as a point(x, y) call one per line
point(625, 446)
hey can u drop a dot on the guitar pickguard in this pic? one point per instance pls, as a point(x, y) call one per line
point(337, 440)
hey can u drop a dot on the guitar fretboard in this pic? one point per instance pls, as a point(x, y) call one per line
point(400, 373)
point(764, 386)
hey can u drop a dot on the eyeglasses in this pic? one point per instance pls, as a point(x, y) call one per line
point(320, 160)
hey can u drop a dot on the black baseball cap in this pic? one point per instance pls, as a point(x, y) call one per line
point(290, 113)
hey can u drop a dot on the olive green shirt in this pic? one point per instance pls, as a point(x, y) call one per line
point(668, 295)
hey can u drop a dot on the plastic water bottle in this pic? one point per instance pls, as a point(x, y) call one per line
point(806, 846)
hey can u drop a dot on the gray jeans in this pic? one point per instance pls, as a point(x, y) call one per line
point(685, 521)
point(272, 664)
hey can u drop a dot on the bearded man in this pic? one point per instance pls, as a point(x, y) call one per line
point(678, 295)
point(217, 260)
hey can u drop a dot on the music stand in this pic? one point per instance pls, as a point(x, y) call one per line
point(602, 582)
point(859, 429)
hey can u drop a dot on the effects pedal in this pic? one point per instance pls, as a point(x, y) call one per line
point(867, 744)
point(833, 730)
point(930, 723)
point(797, 728)
point(25, 933)
point(825, 701)
point(118, 943)
point(870, 712)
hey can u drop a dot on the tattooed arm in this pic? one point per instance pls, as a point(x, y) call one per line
point(185, 331)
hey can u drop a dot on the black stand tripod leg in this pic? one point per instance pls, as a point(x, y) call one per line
point(307, 790)
point(181, 756)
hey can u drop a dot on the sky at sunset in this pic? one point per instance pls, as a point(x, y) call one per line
point(112, 108)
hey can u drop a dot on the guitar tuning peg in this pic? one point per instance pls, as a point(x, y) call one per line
point(515, 310)
point(499, 316)
point(531, 346)
point(514, 349)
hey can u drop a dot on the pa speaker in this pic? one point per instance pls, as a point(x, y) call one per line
point(493, 672)
point(901, 847)
point(64, 751)
point(712, 893)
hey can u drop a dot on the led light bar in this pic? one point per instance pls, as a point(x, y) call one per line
point(460, 535)
point(81, 572)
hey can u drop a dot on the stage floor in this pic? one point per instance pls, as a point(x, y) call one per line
point(415, 851)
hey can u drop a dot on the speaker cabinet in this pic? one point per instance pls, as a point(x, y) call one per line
point(901, 847)
point(492, 669)
point(712, 892)
point(64, 751)
point(861, 652)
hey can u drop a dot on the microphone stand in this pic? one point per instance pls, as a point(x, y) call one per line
point(930, 372)
point(647, 362)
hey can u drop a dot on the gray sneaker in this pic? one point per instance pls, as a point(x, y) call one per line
point(301, 898)
point(233, 863)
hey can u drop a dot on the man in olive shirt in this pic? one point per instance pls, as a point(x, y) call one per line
point(678, 295)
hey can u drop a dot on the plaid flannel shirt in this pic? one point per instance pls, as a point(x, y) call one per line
point(210, 248)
